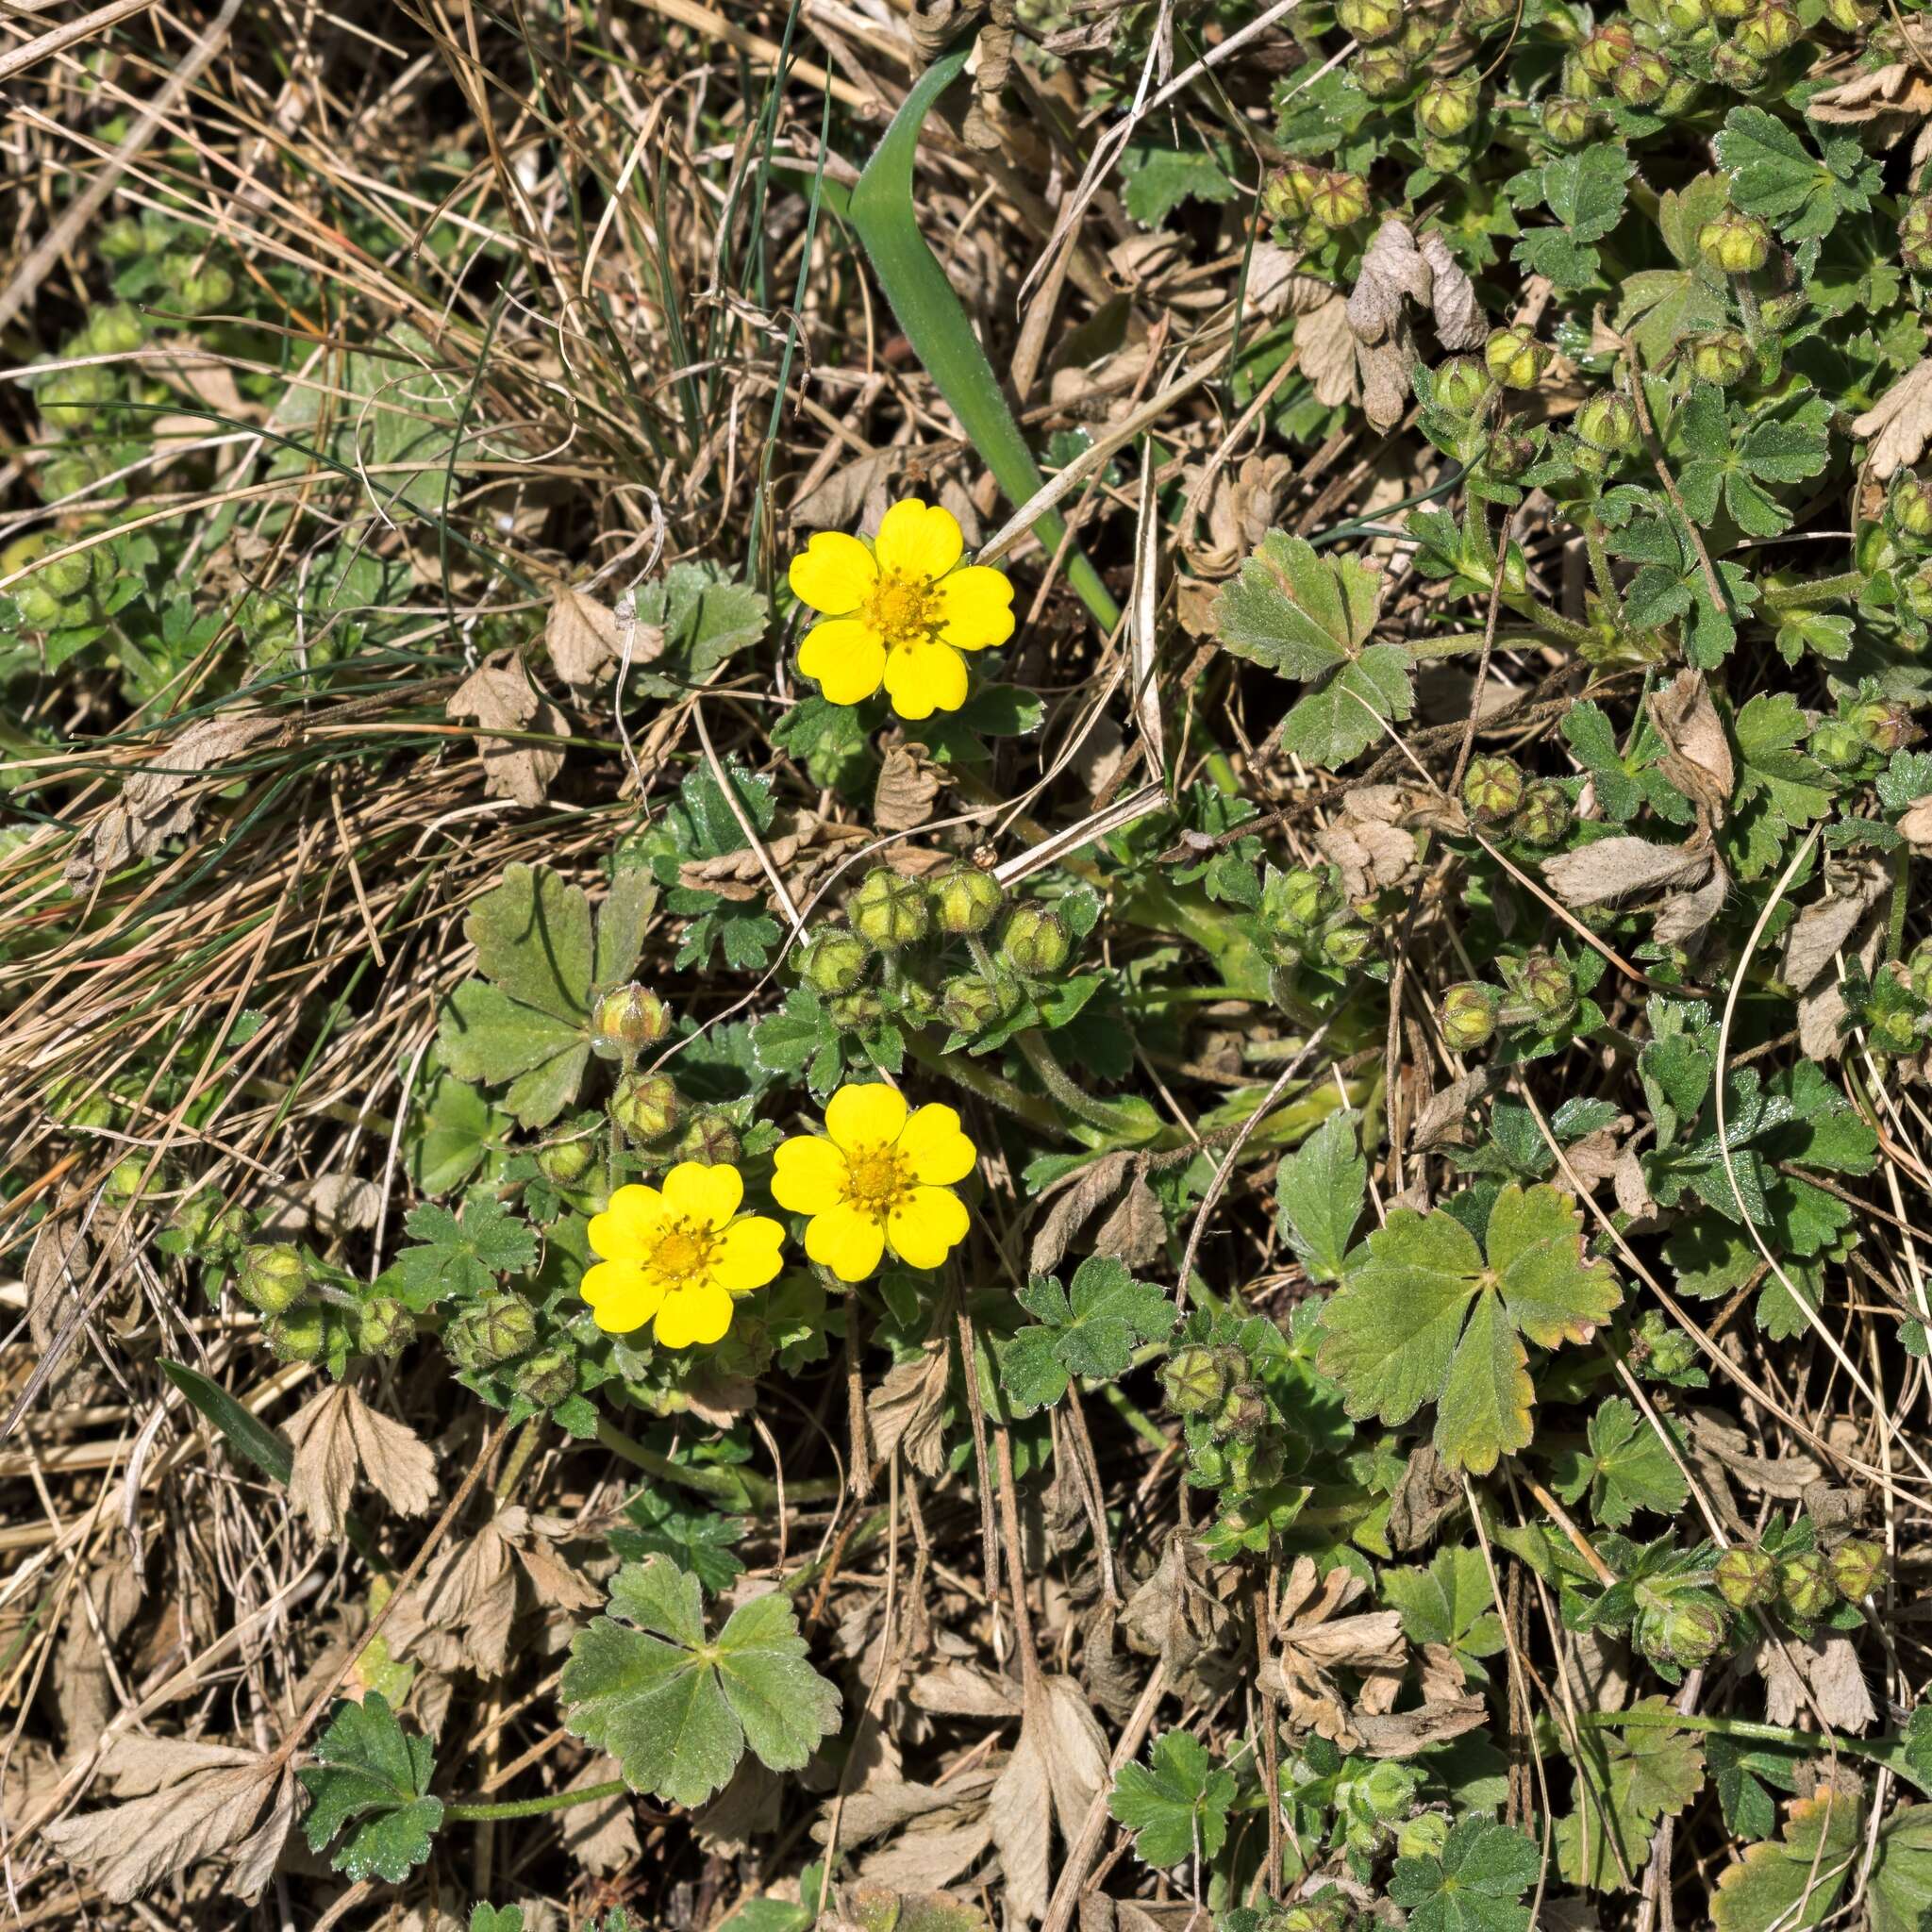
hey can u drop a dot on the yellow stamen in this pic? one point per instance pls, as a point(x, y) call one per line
point(877, 1179)
point(901, 613)
point(682, 1254)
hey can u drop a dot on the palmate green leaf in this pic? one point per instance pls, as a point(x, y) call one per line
point(1627, 1781)
point(1792, 1883)
point(1451, 1603)
point(697, 1540)
point(1585, 192)
point(1092, 1330)
point(1296, 612)
point(1177, 1804)
point(1423, 1316)
point(370, 1782)
point(1319, 1190)
point(1735, 459)
point(1627, 1468)
point(1595, 741)
point(1347, 714)
point(460, 1257)
point(1475, 1884)
point(1774, 174)
point(677, 1710)
point(1156, 180)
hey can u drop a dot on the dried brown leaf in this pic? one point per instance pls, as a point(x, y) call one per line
point(1898, 95)
point(498, 693)
point(1325, 348)
point(1275, 287)
point(1056, 1768)
point(1073, 1199)
point(338, 1435)
point(905, 1410)
point(1829, 1666)
point(1698, 761)
point(1915, 824)
point(1825, 929)
point(908, 782)
point(1392, 267)
point(1136, 1231)
point(603, 1838)
point(957, 1689)
point(1899, 423)
point(460, 1613)
point(1611, 868)
point(584, 638)
point(1461, 322)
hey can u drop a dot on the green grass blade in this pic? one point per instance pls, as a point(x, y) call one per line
point(245, 1433)
point(937, 326)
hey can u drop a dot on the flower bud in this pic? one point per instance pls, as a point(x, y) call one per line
point(298, 1334)
point(1390, 1788)
point(498, 1330)
point(564, 1163)
point(201, 290)
point(546, 1378)
point(1034, 942)
point(1549, 986)
point(970, 1003)
point(1483, 16)
point(1492, 788)
point(1732, 9)
point(1919, 969)
point(39, 608)
point(1835, 745)
point(1852, 16)
point(1720, 357)
point(626, 1019)
point(1384, 72)
point(1735, 243)
point(645, 1105)
point(1423, 1836)
point(1884, 726)
point(1469, 1016)
point(1460, 385)
point(384, 1326)
point(1684, 17)
point(1291, 190)
point(888, 911)
point(1544, 815)
point(115, 331)
point(711, 1140)
point(1606, 49)
point(1568, 123)
point(1735, 69)
point(1766, 33)
point(835, 962)
point(965, 900)
point(121, 241)
point(1805, 1586)
point(1910, 505)
point(1507, 454)
point(1515, 358)
point(1447, 106)
point(1339, 202)
point(1369, 21)
point(1683, 1631)
point(1300, 899)
point(1243, 1409)
point(1608, 422)
point(1346, 945)
point(1195, 1379)
point(1641, 78)
point(857, 1012)
point(1856, 1567)
point(273, 1279)
point(69, 398)
point(1747, 1578)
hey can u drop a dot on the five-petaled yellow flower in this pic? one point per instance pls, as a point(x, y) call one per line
point(679, 1255)
point(899, 611)
point(877, 1178)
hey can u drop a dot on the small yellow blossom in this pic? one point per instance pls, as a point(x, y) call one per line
point(679, 1255)
point(877, 1178)
point(899, 611)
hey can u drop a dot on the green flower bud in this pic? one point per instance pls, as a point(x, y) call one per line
point(646, 1106)
point(1884, 726)
point(1607, 50)
point(835, 962)
point(1608, 422)
point(1469, 1016)
point(1910, 505)
point(1545, 814)
point(1506, 453)
point(888, 911)
point(1298, 900)
point(298, 1334)
point(710, 1138)
point(384, 1326)
point(1836, 744)
point(857, 1012)
point(1492, 788)
point(70, 398)
point(1720, 357)
point(626, 1019)
point(1804, 1583)
point(1346, 945)
point(1732, 9)
point(564, 1163)
point(1746, 1577)
point(1289, 192)
point(1735, 243)
point(1034, 942)
point(1195, 1379)
point(547, 1378)
point(1447, 107)
point(1765, 34)
point(1919, 969)
point(1917, 591)
point(1683, 1631)
point(1851, 16)
point(1328, 1912)
point(202, 290)
point(1369, 21)
point(1420, 35)
point(39, 608)
point(1390, 1788)
point(1568, 123)
point(1460, 385)
point(1382, 72)
point(498, 1330)
point(1423, 1836)
point(1484, 16)
point(966, 900)
point(1515, 358)
point(1339, 202)
point(67, 577)
point(1735, 69)
point(1893, 1032)
point(1549, 986)
point(121, 241)
point(274, 1279)
point(1858, 1568)
point(1641, 78)
point(969, 1003)
point(115, 331)
point(1684, 17)
point(1663, 1348)
point(1243, 1409)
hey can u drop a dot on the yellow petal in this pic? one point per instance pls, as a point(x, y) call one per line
point(693, 1315)
point(976, 605)
point(925, 1227)
point(748, 1255)
point(932, 1141)
point(846, 1241)
point(834, 574)
point(865, 1116)
point(846, 657)
point(918, 540)
point(709, 1195)
point(809, 1175)
point(925, 678)
point(621, 1296)
point(628, 1224)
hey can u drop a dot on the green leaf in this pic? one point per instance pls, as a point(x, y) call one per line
point(1346, 715)
point(1451, 1603)
point(1767, 733)
point(371, 1783)
point(1628, 1468)
point(1900, 1899)
point(1594, 741)
point(496, 1919)
point(1475, 1884)
point(1091, 1331)
point(457, 1128)
point(1156, 180)
point(677, 1710)
point(1792, 1883)
point(1627, 1782)
point(1319, 1190)
point(695, 1539)
point(460, 1257)
point(1422, 1316)
point(1774, 174)
point(1177, 1804)
point(245, 1432)
point(1296, 612)
point(706, 618)
point(1585, 192)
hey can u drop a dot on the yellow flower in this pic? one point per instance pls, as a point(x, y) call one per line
point(679, 1255)
point(876, 1177)
point(899, 611)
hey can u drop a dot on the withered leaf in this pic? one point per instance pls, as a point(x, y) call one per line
point(1077, 1197)
point(1829, 1667)
point(1899, 423)
point(1698, 761)
point(1610, 868)
point(584, 638)
point(1392, 268)
point(1057, 1766)
point(908, 782)
point(338, 1435)
point(459, 1612)
point(1823, 928)
point(498, 693)
point(1454, 305)
point(906, 1410)
point(1325, 349)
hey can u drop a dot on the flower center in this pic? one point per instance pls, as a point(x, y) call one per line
point(683, 1253)
point(876, 1180)
point(901, 613)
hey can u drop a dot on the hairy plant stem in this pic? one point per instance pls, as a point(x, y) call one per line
point(1782, 598)
point(734, 1489)
point(476, 1811)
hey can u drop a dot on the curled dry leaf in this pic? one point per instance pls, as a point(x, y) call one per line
point(499, 694)
point(1915, 824)
point(584, 638)
point(1312, 1642)
point(957, 1689)
point(459, 1614)
point(1612, 868)
point(908, 782)
point(1325, 349)
point(1824, 1673)
point(1079, 1195)
point(1824, 928)
point(907, 1408)
point(1899, 423)
point(338, 1435)
point(1698, 761)
point(1276, 288)
point(1056, 1768)
point(603, 1838)
point(1684, 917)
point(1372, 850)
